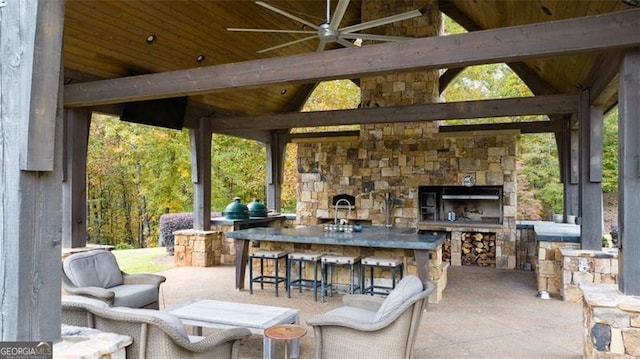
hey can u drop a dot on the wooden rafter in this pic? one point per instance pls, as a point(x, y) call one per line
point(579, 35)
point(539, 105)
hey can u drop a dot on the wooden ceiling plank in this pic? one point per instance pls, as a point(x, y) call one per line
point(588, 34)
point(539, 105)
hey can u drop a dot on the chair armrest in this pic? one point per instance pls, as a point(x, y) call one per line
point(328, 320)
point(143, 278)
point(362, 301)
point(102, 294)
point(216, 339)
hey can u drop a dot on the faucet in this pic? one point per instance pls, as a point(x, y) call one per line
point(335, 220)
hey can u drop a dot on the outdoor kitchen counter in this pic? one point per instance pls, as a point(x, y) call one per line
point(553, 232)
point(375, 237)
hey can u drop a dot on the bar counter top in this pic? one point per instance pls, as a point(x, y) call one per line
point(371, 236)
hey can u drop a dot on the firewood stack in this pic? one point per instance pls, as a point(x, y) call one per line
point(478, 249)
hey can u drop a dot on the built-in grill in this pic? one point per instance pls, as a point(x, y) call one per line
point(481, 204)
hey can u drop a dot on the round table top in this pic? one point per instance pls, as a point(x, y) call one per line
point(285, 331)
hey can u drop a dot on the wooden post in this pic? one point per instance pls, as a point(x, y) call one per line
point(31, 165)
point(200, 139)
point(629, 173)
point(74, 182)
point(567, 143)
point(590, 174)
point(276, 150)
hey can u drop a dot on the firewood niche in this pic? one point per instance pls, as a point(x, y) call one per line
point(476, 249)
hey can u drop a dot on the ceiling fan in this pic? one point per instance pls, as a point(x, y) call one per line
point(330, 30)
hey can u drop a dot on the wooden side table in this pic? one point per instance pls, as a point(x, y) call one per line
point(285, 332)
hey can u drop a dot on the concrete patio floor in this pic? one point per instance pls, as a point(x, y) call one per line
point(484, 313)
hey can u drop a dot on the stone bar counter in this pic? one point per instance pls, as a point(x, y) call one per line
point(551, 238)
point(422, 253)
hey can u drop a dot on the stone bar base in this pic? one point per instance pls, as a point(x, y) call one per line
point(87, 343)
point(437, 268)
point(549, 267)
point(197, 248)
point(585, 267)
point(611, 322)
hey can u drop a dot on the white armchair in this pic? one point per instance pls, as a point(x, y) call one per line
point(155, 334)
point(96, 274)
point(372, 327)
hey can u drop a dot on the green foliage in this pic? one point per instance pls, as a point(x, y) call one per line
point(238, 171)
point(610, 153)
point(137, 173)
point(122, 245)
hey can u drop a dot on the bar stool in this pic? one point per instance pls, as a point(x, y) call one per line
point(299, 259)
point(275, 279)
point(375, 262)
point(329, 262)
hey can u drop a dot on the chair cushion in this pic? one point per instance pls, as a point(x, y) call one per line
point(353, 313)
point(408, 287)
point(169, 319)
point(97, 268)
point(134, 295)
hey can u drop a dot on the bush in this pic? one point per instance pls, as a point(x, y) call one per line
point(123, 245)
point(170, 223)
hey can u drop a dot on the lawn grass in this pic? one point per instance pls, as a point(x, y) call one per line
point(143, 260)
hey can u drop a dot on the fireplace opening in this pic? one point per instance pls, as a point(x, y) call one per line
point(477, 204)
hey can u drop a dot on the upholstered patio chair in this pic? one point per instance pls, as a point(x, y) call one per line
point(96, 274)
point(155, 334)
point(373, 327)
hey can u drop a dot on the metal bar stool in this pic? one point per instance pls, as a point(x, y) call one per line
point(275, 279)
point(299, 259)
point(375, 262)
point(329, 262)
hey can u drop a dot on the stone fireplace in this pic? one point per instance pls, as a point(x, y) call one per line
point(396, 161)
point(386, 165)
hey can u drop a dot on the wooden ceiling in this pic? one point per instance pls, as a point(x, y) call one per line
point(108, 39)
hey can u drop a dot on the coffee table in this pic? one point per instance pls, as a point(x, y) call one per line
point(222, 315)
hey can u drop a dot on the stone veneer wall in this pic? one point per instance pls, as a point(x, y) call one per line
point(563, 268)
point(397, 159)
point(549, 267)
point(209, 248)
point(587, 267)
point(611, 322)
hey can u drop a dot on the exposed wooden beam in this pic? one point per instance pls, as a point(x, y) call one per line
point(603, 80)
point(309, 136)
point(300, 97)
point(447, 77)
point(450, 9)
point(577, 35)
point(523, 127)
point(540, 105)
point(534, 82)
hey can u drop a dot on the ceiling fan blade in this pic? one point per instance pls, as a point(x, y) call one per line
point(286, 14)
point(382, 21)
point(287, 44)
point(338, 14)
point(237, 29)
point(374, 37)
point(346, 43)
